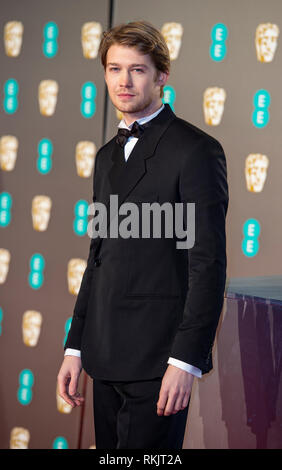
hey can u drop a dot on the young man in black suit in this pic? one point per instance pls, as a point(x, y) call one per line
point(147, 311)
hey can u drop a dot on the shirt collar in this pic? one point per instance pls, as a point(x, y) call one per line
point(142, 120)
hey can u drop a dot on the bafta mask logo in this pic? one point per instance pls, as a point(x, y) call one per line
point(84, 156)
point(256, 171)
point(62, 405)
point(19, 438)
point(47, 96)
point(213, 104)
point(31, 327)
point(13, 36)
point(76, 268)
point(266, 41)
point(4, 264)
point(8, 152)
point(119, 114)
point(40, 211)
point(172, 32)
point(90, 38)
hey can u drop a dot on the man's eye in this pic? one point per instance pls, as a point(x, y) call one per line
point(138, 70)
point(114, 69)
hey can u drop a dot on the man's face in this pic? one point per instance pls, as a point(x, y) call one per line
point(132, 80)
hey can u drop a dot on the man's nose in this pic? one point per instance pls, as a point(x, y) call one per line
point(125, 79)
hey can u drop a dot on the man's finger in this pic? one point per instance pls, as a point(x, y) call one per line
point(73, 385)
point(78, 399)
point(178, 402)
point(186, 399)
point(62, 389)
point(66, 397)
point(161, 404)
point(170, 403)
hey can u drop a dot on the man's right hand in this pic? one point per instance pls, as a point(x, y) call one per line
point(67, 378)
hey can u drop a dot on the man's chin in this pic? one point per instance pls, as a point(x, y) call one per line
point(127, 108)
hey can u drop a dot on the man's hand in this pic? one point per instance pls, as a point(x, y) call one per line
point(175, 391)
point(68, 380)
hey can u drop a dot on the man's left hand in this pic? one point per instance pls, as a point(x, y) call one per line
point(175, 391)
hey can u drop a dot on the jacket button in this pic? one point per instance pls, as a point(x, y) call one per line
point(97, 262)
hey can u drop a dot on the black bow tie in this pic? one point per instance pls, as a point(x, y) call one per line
point(123, 134)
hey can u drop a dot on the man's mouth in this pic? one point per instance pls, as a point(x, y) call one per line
point(124, 95)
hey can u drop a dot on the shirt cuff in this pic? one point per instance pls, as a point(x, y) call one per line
point(187, 367)
point(72, 352)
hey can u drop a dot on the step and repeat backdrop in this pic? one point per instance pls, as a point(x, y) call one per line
point(55, 114)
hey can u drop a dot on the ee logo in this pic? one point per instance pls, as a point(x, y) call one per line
point(36, 276)
point(261, 103)
point(44, 160)
point(60, 443)
point(67, 328)
point(26, 381)
point(88, 95)
point(50, 34)
point(169, 96)
point(80, 217)
point(5, 209)
point(11, 89)
point(250, 243)
point(1, 319)
point(219, 34)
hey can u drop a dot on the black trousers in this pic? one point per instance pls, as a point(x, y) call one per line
point(125, 417)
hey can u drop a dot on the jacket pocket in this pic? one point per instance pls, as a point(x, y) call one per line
point(151, 270)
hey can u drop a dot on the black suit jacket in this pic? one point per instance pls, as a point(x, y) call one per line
point(142, 300)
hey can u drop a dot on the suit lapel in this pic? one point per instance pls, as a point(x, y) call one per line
point(125, 176)
point(124, 180)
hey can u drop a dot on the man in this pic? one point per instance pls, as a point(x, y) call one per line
point(147, 311)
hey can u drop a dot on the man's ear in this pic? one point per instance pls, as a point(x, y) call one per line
point(162, 78)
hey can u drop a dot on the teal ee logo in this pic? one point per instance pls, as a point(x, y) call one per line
point(250, 243)
point(219, 34)
point(44, 160)
point(26, 381)
point(88, 96)
point(261, 101)
point(1, 319)
point(169, 96)
point(11, 89)
point(50, 34)
point(60, 443)
point(80, 217)
point(5, 209)
point(67, 329)
point(36, 276)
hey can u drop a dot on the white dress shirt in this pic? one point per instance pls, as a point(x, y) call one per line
point(131, 141)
